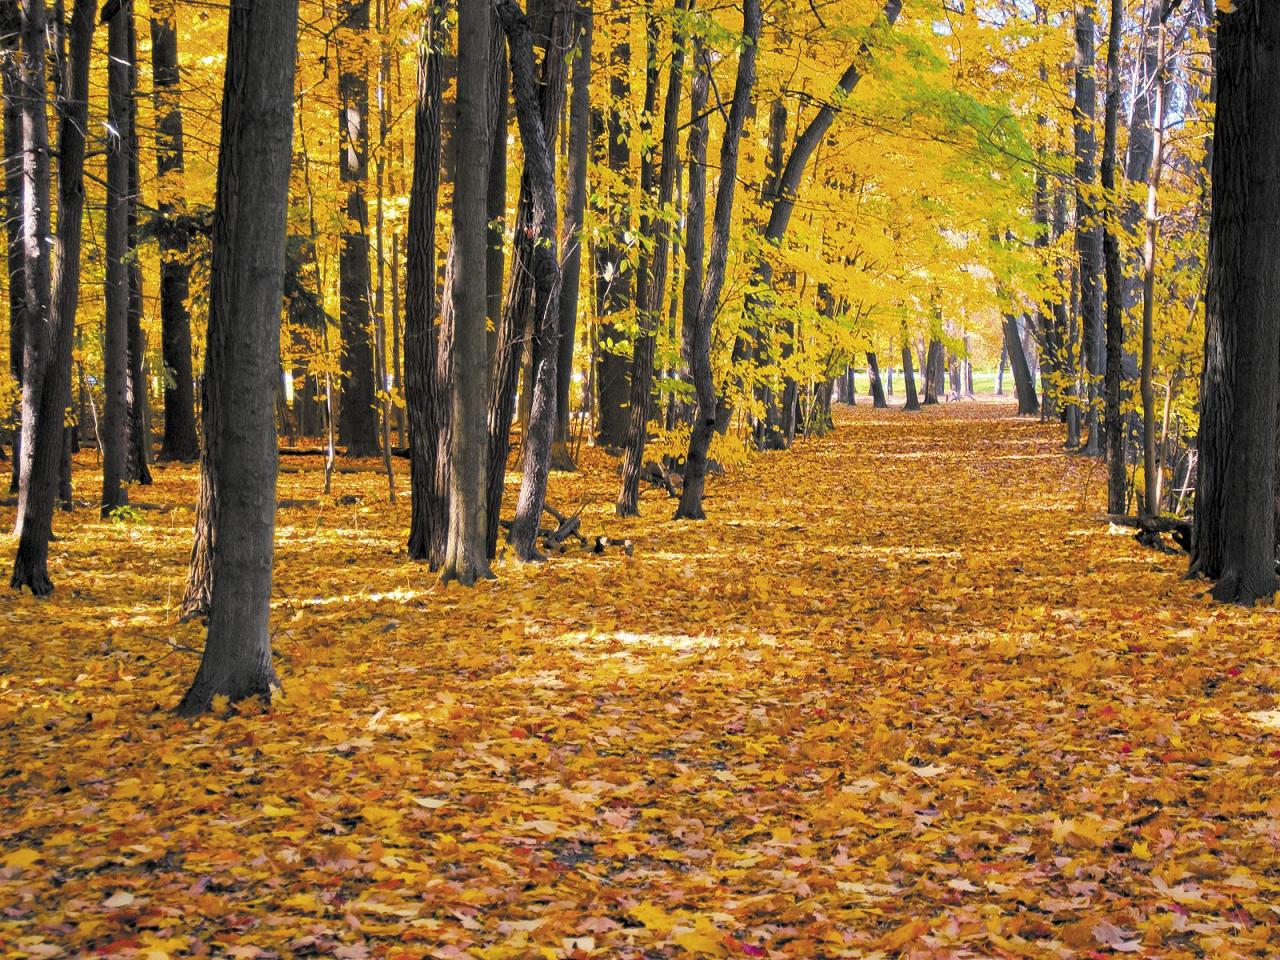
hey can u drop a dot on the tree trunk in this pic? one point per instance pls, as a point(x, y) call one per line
point(358, 416)
point(13, 221)
point(571, 255)
point(877, 388)
point(653, 275)
point(1117, 475)
point(526, 281)
point(1151, 471)
point(243, 355)
point(1235, 528)
point(1024, 383)
point(932, 372)
point(115, 346)
point(180, 442)
point(695, 214)
point(139, 406)
point(53, 351)
point(614, 278)
point(424, 400)
point(1087, 225)
point(709, 404)
point(534, 118)
point(465, 557)
point(909, 378)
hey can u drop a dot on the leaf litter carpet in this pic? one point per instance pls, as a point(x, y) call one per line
point(904, 694)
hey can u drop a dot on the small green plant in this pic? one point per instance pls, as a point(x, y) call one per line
point(125, 514)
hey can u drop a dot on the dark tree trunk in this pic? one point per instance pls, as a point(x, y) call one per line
point(909, 379)
point(115, 346)
point(496, 200)
point(52, 351)
point(933, 372)
point(13, 221)
point(359, 415)
point(1088, 240)
point(180, 442)
point(525, 283)
point(243, 356)
point(613, 278)
point(1235, 518)
point(539, 174)
point(695, 239)
point(1117, 478)
point(1024, 383)
point(571, 254)
point(139, 405)
point(424, 395)
point(653, 275)
point(877, 388)
point(466, 559)
point(709, 405)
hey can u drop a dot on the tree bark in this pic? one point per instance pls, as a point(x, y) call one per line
point(243, 355)
point(115, 347)
point(1234, 538)
point(653, 275)
point(53, 350)
point(709, 404)
point(180, 442)
point(1024, 383)
point(1087, 226)
point(571, 252)
point(424, 395)
point(614, 278)
point(1117, 474)
point(695, 214)
point(877, 388)
point(909, 378)
point(13, 221)
point(466, 559)
point(358, 416)
point(139, 465)
point(932, 372)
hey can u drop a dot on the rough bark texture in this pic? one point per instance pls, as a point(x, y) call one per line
point(115, 346)
point(534, 120)
point(1024, 383)
point(614, 280)
point(1088, 240)
point(465, 557)
point(424, 396)
point(527, 259)
point(139, 467)
point(243, 354)
point(877, 388)
point(1117, 479)
point(571, 250)
point(1235, 531)
point(180, 441)
point(13, 220)
point(909, 379)
point(709, 405)
point(695, 214)
point(359, 415)
point(40, 486)
point(654, 279)
point(933, 372)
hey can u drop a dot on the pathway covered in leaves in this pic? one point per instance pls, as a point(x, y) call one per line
point(904, 694)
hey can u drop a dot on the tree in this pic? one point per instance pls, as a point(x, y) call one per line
point(1087, 238)
point(542, 259)
point(707, 415)
point(1234, 541)
point(180, 441)
point(139, 459)
point(574, 210)
point(13, 195)
point(466, 559)
point(1024, 384)
point(243, 351)
point(652, 286)
point(1117, 480)
point(424, 396)
point(877, 388)
point(115, 348)
point(49, 358)
point(912, 402)
point(359, 417)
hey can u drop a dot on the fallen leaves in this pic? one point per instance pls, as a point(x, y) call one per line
point(903, 705)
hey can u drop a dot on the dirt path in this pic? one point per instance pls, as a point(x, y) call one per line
point(902, 694)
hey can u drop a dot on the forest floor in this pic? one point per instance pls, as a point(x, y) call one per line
point(904, 694)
